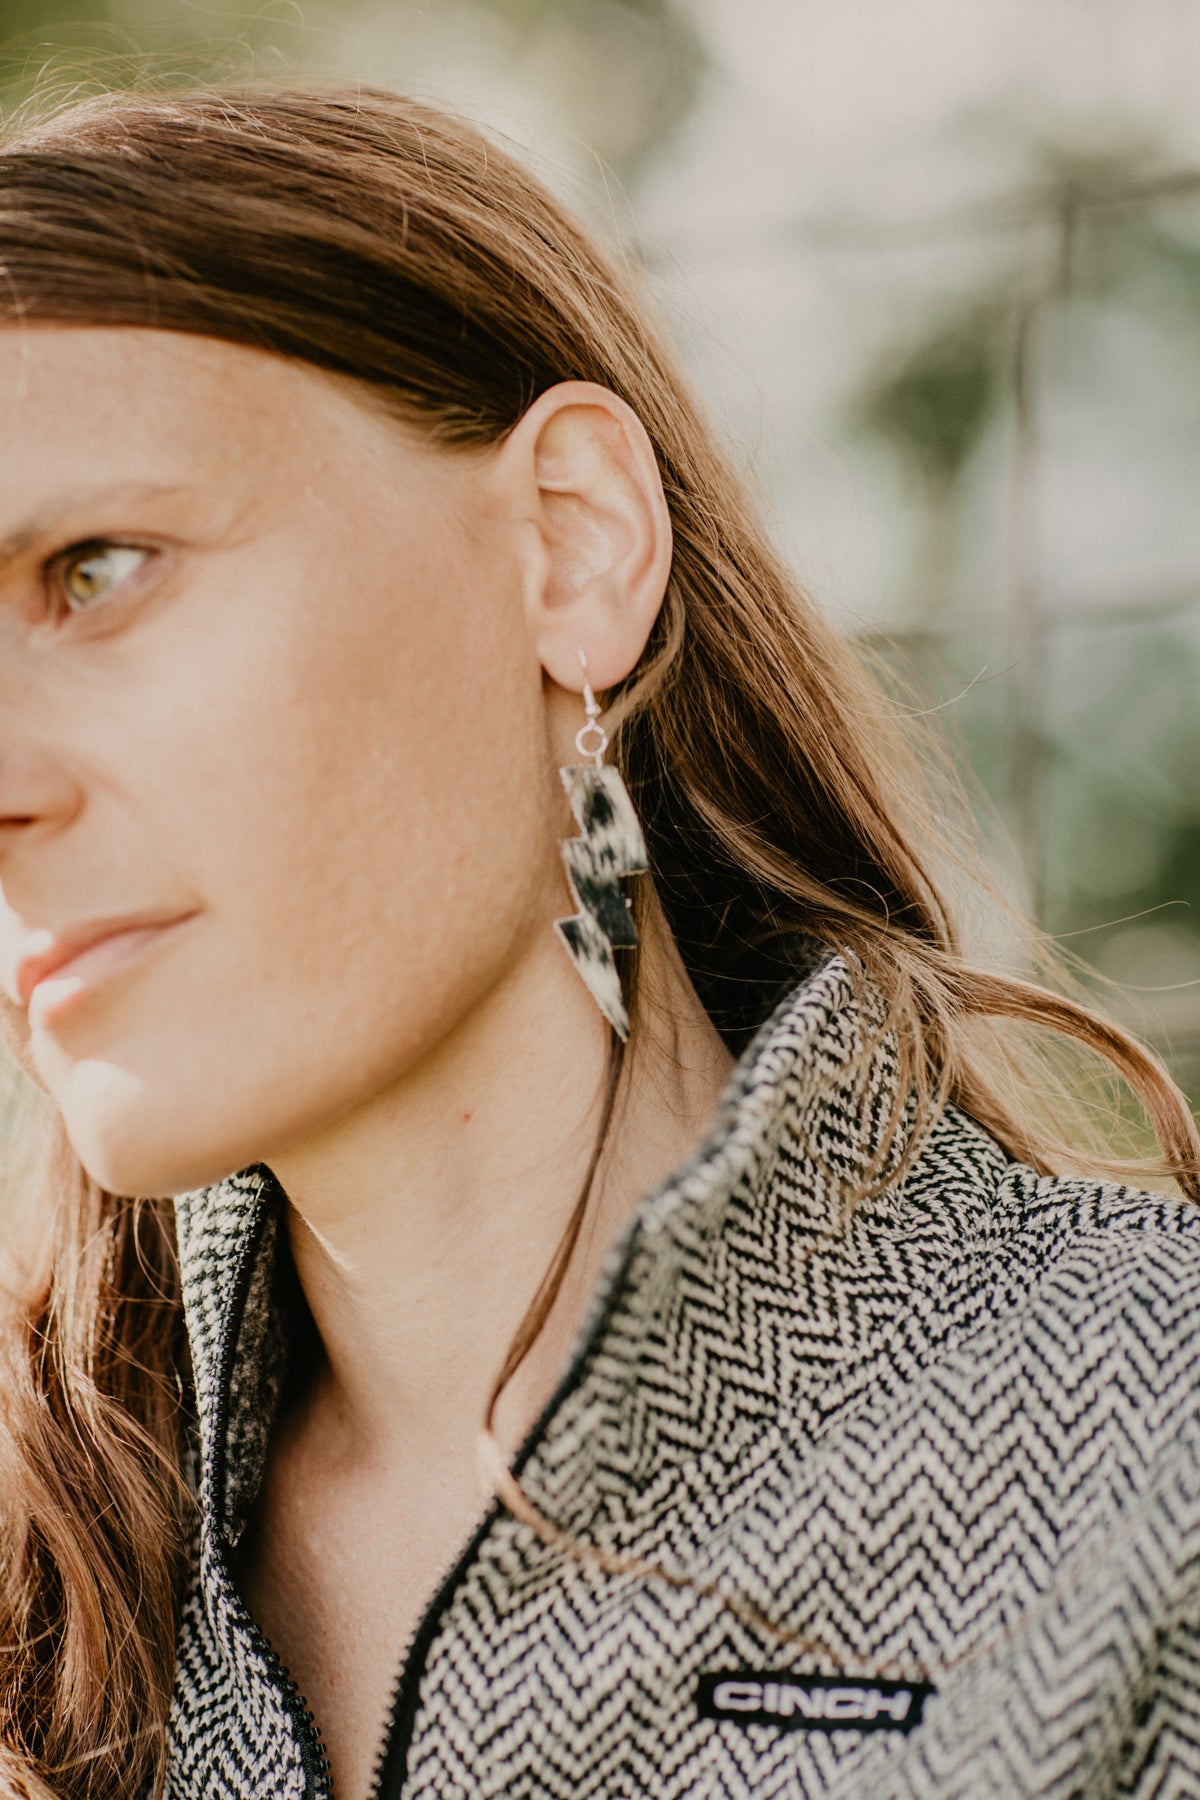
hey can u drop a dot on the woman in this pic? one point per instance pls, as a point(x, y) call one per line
point(835, 1444)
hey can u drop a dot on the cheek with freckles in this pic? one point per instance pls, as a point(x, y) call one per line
point(367, 868)
point(353, 912)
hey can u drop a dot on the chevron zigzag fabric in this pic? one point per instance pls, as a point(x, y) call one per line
point(955, 1441)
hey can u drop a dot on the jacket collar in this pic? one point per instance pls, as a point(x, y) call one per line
point(744, 1246)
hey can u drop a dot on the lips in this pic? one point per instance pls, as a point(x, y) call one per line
point(90, 947)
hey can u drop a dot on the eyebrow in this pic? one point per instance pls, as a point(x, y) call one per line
point(43, 524)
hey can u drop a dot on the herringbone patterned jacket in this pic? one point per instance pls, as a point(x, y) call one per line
point(931, 1477)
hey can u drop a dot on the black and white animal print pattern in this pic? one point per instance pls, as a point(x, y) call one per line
point(952, 1443)
point(611, 846)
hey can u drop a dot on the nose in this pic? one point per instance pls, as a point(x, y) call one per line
point(35, 791)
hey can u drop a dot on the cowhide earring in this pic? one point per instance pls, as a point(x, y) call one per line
point(611, 846)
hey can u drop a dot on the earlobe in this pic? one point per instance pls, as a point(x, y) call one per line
point(604, 532)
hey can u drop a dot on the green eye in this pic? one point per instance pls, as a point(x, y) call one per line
point(89, 574)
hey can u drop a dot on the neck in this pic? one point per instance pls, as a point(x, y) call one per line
point(423, 1225)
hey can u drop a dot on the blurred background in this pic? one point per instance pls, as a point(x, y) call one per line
point(936, 267)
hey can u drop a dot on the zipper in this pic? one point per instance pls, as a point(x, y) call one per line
point(314, 1757)
point(391, 1758)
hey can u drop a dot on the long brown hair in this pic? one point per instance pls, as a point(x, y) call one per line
point(388, 242)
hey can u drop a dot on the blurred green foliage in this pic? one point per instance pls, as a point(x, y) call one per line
point(1106, 754)
point(934, 401)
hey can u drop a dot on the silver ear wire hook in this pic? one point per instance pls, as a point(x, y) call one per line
point(599, 737)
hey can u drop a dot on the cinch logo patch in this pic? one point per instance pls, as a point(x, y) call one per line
point(813, 1702)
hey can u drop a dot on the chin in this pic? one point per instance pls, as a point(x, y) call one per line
point(143, 1170)
point(131, 1143)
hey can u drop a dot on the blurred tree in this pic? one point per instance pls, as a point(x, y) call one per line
point(1085, 732)
point(932, 401)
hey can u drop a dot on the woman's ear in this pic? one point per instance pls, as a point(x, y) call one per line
point(600, 552)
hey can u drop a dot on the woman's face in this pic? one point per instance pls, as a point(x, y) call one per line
point(267, 690)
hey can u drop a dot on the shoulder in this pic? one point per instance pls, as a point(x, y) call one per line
point(1043, 1223)
point(1099, 1252)
point(1079, 1296)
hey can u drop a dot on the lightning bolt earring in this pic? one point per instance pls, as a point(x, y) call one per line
point(611, 846)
